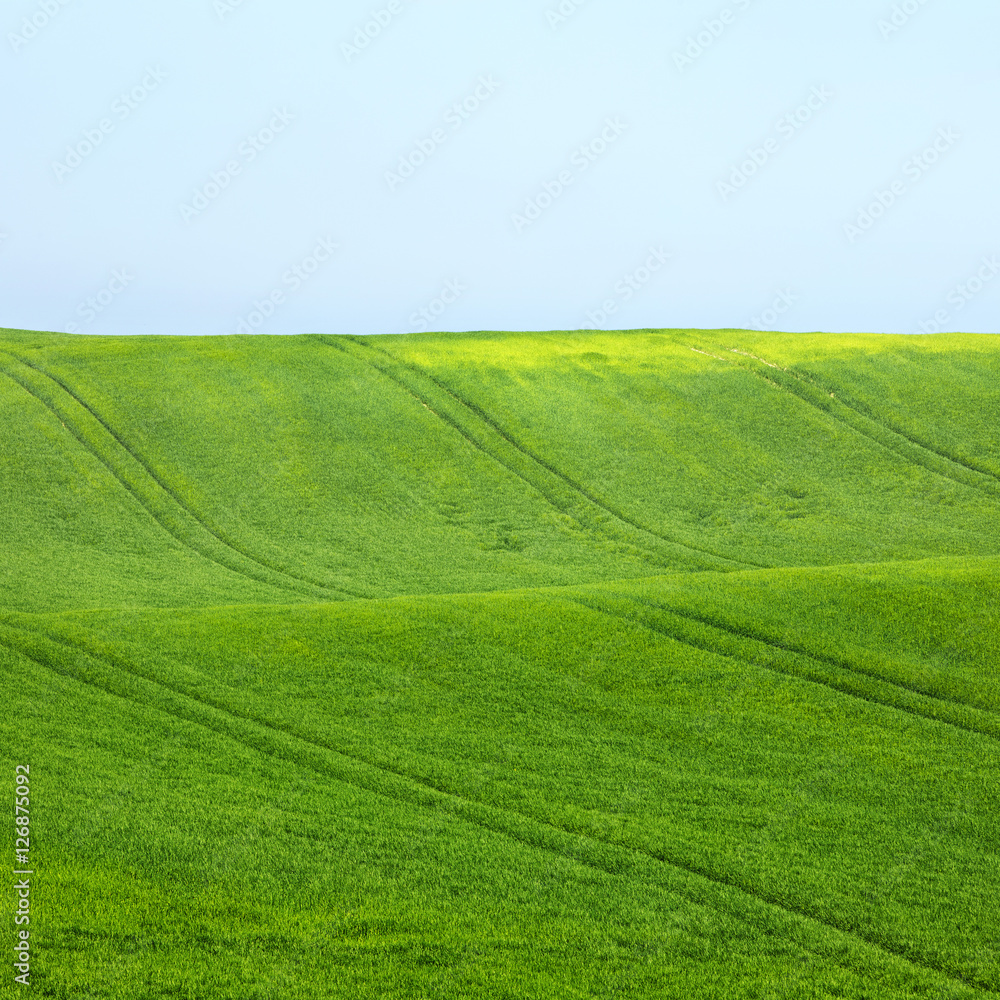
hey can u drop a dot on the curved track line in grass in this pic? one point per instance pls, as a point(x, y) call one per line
point(864, 411)
point(744, 633)
point(517, 827)
point(552, 501)
point(893, 447)
point(824, 681)
point(933, 461)
point(451, 422)
point(131, 491)
point(814, 678)
point(166, 490)
point(525, 453)
point(548, 466)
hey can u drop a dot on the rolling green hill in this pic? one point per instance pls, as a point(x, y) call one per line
point(570, 664)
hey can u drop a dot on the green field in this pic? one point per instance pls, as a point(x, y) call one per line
point(503, 665)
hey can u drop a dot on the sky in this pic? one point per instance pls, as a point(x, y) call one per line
point(211, 167)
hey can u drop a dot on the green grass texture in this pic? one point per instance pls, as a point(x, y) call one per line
point(634, 664)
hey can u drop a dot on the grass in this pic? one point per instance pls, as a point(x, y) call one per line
point(505, 665)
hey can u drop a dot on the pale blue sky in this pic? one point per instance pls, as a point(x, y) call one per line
point(643, 233)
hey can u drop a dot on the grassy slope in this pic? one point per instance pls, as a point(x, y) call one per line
point(329, 468)
point(550, 757)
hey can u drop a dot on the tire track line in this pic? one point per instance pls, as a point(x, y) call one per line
point(534, 459)
point(465, 810)
point(798, 675)
point(553, 502)
point(863, 411)
point(818, 657)
point(548, 466)
point(893, 447)
point(139, 499)
point(165, 489)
